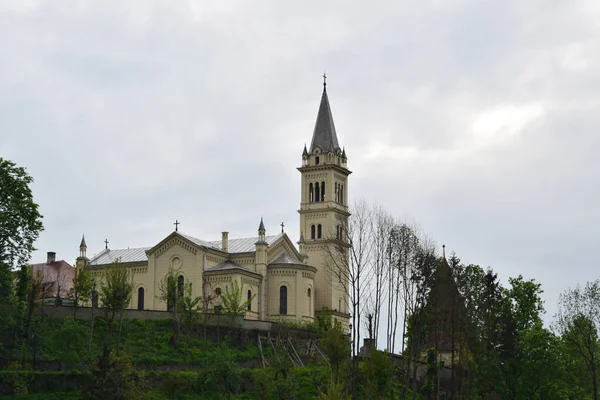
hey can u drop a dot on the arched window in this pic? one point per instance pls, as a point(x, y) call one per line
point(141, 298)
point(317, 160)
point(283, 300)
point(308, 292)
point(317, 192)
point(312, 231)
point(322, 191)
point(342, 195)
point(336, 192)
point(319, 231)
point(310, 193)
point(249, 300)
point(180, 281)
point(309, 304)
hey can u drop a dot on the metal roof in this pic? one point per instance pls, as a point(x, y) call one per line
point(243, 245)
point(227, 266)
point(324, 135)
point(201, 242)
point(108, 256)
point(285, 258)
point(246, 245)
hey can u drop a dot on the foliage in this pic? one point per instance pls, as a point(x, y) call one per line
point(177, 383)
point(23, 283)
point(378, 374)
point(335, 391)
point(20, 221)
point(15, 379)
point(82, 286)
point(337, 349)
point(189, 308)
point(222, 372)
point(233, 302)
point(69, 341)
point(112, 378)
point(115, 290)
point(167, 287)
point(578, 320)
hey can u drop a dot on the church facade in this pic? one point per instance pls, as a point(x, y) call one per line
point(283, 282)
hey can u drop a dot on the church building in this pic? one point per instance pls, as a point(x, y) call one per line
point(284, 282)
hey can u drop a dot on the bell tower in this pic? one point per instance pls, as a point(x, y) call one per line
point(324, 213)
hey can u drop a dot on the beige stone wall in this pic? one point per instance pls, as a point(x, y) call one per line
point(329, 214)
point(298, 282)
point(181, 256)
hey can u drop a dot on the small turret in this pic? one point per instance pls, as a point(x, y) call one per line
point(302, 248)
point(261, 231)
point(82, 247)
point(82, 260)
point(260, 261)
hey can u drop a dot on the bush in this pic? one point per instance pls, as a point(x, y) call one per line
point(112, 378)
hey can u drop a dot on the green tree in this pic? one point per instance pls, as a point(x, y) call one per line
point(577, 321)
point(170, 293)
point(112, 378)
point(378, 372)
point(82, 287)
point(542, 374)
point(20, 222)
point(116, 289)
point(336, 347)
point(526, 302)
point(23, 281)
point(337, 391)
point(233, 302)
point(69, 344)
point(223, 375)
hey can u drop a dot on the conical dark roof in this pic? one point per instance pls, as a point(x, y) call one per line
point(261, 227)
point(324, 135)
point(83, 242)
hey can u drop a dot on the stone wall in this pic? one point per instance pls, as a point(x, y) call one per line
point(211, 319)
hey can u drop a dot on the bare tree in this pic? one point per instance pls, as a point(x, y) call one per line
point(382, 224)
point(348, 260)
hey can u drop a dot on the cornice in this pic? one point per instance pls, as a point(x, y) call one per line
point(324, 167)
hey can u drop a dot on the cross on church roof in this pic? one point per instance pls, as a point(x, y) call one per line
point(106, 243)
point(176, 223)
point(282, 226)
point(324, 79)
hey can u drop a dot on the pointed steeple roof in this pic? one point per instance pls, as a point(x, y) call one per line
point(324, 135)
point(261, 227)
point(83, 242)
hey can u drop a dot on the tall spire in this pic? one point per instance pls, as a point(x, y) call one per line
point(324, 136)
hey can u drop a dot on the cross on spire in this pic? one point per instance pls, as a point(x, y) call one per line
point(176, 223)
point(106, 243)
point(324, 79)
point(282, 226)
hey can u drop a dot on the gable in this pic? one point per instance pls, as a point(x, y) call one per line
point(281, 246)
point(174, 239)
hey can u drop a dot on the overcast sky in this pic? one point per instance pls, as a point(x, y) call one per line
point(478, 120)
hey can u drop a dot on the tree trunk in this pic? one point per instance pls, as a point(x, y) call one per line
point(594, 380)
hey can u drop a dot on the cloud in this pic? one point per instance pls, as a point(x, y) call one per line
point(477, 120)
